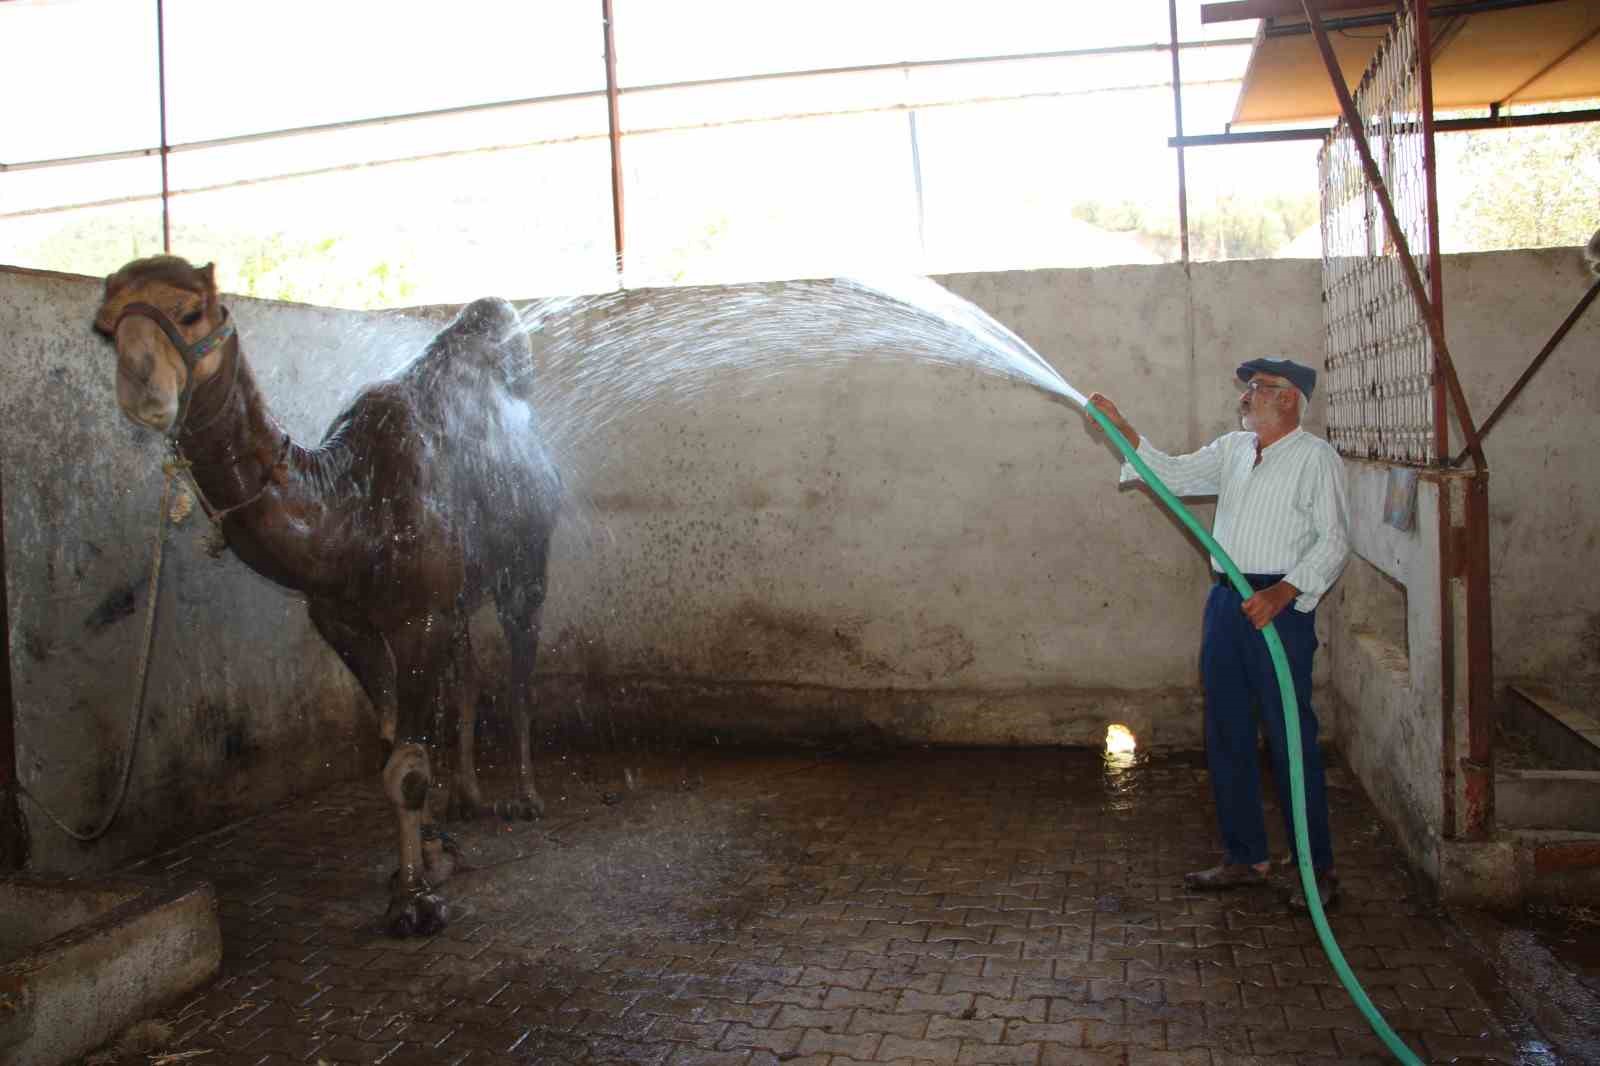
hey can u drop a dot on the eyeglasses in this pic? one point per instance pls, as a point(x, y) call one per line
point(1256, 386)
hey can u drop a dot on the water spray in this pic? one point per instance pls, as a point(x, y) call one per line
point(1022, 361)
point(1291, 725)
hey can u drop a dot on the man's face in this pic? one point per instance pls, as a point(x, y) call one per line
point(1265, 401)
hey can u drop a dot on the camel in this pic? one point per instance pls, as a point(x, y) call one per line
point(429, 495)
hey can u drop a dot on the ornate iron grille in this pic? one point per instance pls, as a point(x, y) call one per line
point(1380, 360)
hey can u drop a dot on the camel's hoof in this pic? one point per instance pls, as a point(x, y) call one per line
point(419, 914)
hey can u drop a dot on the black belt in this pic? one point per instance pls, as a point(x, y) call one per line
point(1255, 581)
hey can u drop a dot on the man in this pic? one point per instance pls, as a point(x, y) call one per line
point(1281, 517)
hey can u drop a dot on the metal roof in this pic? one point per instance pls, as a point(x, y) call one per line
point(1486, 54)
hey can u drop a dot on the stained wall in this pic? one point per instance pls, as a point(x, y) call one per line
point(870, 551)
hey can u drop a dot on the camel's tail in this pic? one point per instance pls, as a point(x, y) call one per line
point(1592, 252)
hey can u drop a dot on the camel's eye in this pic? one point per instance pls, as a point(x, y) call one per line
point(191, 318)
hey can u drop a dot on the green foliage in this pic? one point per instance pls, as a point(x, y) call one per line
point(1235, 227)
point(1535, 187)
point(331, 271)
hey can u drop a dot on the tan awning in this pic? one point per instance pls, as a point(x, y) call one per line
point(1533, 51)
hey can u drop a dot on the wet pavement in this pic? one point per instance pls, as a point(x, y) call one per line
point(945, 906)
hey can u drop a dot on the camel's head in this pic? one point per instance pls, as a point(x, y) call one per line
point(170, 331)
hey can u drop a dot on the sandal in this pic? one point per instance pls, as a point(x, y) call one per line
point(1327, 891)
point(1227, 875)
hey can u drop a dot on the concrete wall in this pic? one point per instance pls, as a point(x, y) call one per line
point(1544, 552)
point(244, 704)
point(1544, 501)
point(874, 549)
point(913, 552)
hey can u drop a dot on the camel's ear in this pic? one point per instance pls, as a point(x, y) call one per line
point(208, 281)
point(103, 322)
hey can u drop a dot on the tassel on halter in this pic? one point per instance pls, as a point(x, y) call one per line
point(217, 540)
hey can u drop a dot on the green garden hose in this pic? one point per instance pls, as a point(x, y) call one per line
point(1291, 726)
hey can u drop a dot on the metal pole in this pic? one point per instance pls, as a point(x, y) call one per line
point(1177, 114)
point(161, 76)
point(1430, 174)
point(1397, 237)
point(612, 111)
point(1478, 765)
point(1533, 367)
point(1494, 121)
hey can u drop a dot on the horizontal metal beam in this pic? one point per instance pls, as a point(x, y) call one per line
point(679, 127)
point(1239, 10)
point(599, 94)
point(1443, 125)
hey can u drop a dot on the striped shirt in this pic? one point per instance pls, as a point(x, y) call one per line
point(1286, 516)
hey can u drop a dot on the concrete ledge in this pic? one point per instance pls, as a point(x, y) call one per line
point(1548, 799)
point(1567, 736)
point(1560, 866)
point(1489, 873)
point(1519, 866)
point(81, 961)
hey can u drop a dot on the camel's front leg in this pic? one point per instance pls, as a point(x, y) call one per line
point(528, 798)
point(413, 907)
point(466, 795)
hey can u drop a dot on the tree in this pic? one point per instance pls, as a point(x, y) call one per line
point(1534, 187)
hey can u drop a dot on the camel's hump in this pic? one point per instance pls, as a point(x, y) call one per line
point(489, 317)
point(486, 333)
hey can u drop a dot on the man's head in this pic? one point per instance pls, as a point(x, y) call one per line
point(1275, 392)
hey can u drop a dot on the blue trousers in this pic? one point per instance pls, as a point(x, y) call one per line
point(1242, 696)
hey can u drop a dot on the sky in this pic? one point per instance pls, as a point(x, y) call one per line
point(235, 66)
point(246, 66)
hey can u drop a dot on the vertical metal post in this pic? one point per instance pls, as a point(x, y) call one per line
point(1441, 417)
point(1478, 763)
point(1177, 114)
point(161, 76)
point(1449, 561)
point(612, 111)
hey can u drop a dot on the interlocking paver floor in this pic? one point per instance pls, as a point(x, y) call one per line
point(945, 906)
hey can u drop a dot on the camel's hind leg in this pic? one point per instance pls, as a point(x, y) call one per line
point(466, 795)
point(519, 608)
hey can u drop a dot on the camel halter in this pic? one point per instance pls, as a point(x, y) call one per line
point(191, 354)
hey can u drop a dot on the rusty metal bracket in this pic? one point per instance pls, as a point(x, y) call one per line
point(1538, 361)
point(1429, 310)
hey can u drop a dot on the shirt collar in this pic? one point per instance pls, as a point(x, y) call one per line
point(1291, 435)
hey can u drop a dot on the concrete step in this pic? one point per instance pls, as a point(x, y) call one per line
point(81, 960)
point(1548, 799)
point(1567, 737)
point(1558, 865)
